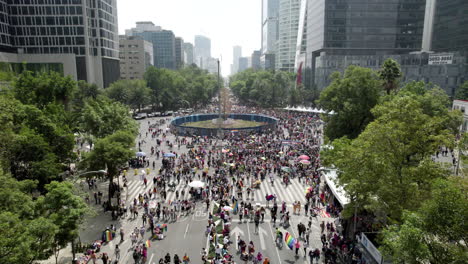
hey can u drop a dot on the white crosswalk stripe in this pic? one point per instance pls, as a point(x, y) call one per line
point(293, 192)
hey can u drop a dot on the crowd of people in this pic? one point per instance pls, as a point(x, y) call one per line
point(231, 173)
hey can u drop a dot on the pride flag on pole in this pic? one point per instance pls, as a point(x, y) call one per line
point(290, 241)
point(236, 206)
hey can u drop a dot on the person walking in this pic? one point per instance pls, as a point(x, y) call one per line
point(117, 252)
point(297, 246)
point(121, 235)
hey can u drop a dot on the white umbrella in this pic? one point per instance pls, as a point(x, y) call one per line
point(227, 208)
point(140, 154)
point(197, 184)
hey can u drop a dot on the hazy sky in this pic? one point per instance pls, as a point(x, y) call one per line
point(225, 22)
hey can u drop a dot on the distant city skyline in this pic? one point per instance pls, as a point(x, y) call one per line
point(226, 23)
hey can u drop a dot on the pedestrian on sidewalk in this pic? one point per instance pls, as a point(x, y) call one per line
point(121, 235)
point(117, 252)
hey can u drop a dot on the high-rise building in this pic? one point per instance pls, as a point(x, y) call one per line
point(255, 60)
point(136, 55)
point(202, 51)
point(243, 64)
point(338, 31)
point(79, 36)
point(450, 25)
point(236, 54)
point(188, 53)
point(270, 13)
point(270, 34)
point(142, 26)
point(163, 47)
point(287, 38)
point(179, 52)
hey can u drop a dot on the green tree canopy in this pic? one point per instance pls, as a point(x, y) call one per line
point(351, 97)
point(437, 232)
point(103, 117)
point(187, 87)
point(42, 89)
point(262, 88)
point(133, 93)
point(462, 92)
point(390, 73)
point(388, 167)
point(111, 152)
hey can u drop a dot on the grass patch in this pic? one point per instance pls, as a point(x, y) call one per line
point(238, 123)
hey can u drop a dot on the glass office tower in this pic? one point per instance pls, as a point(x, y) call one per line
point(450, 32)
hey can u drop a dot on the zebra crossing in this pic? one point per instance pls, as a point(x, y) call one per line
point(294, 191)
point(136, 187)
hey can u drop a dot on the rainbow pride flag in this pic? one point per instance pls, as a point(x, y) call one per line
point(236, 206)
point(290, 241)
point(108, 236)
point(148, 243)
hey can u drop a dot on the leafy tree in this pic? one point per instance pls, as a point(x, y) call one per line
point(26, 236)
point(390, 73)
point(133, 93)
point(351, 97)
point(35, 143)
point(42, 89)
point(462, 92)
point(111, 152)
point(437, 232)
point(65, 209)
point(83, 92)
point(103, 117)
point(30, 157)
point(388, 168)
point(189, 86)
point(262, 88)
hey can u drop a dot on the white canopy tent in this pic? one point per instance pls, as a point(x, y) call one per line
point(308, 110)
point(331, 177)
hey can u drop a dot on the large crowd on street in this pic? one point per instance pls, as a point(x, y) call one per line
point(232, 168)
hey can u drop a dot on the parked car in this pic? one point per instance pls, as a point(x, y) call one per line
point(140, 116)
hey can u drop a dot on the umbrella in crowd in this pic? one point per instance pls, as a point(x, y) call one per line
point(304, 157)
point(169, 155)
point(225, 150)
point(196, 184)
point(305, 162)
point(140, 154)
point(227, 208)
point(286, 169)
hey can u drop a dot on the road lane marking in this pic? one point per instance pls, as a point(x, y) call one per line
point(186, 230)
point(274, 239)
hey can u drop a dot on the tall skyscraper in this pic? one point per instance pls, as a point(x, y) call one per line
point(188, 53)
point(270, 13)
point(79, 35)
point(255, 59)
point(236, 54)
point(342, 33)
point(243, 64)
point(179, 52)
point(142, 26)
point(202, 51)
point(270, 34)
point(450, 26)
point(164, 50)
point(287, 39)
point(136, 55)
